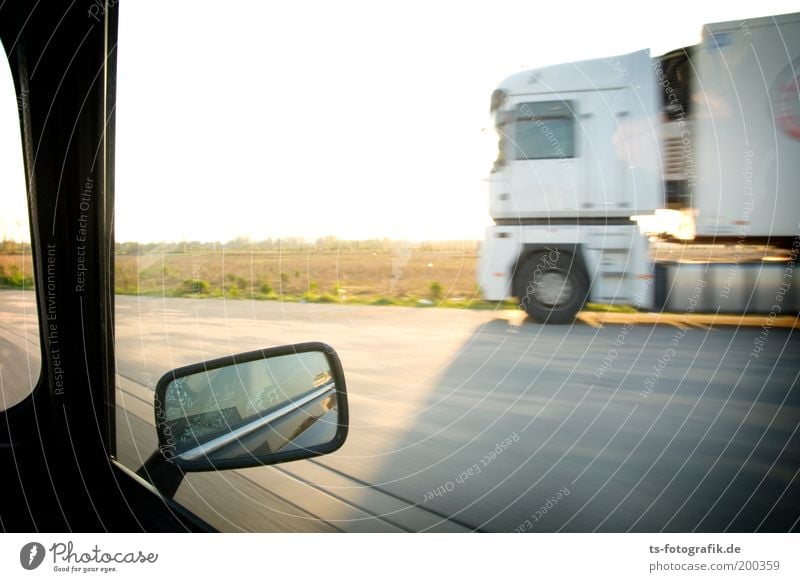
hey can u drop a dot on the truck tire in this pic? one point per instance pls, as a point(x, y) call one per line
point(552, 286)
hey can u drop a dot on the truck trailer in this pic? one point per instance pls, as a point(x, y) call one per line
point(663, 183)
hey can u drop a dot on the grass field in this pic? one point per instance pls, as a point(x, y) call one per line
point(394, 274)
point(400, 275)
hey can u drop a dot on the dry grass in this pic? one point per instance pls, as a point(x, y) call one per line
point(404, 273)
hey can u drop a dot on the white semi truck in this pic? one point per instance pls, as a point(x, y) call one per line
point(603, 165)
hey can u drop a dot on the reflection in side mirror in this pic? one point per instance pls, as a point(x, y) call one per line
point(258, 408)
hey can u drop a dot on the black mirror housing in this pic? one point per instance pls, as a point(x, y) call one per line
point(257, 408)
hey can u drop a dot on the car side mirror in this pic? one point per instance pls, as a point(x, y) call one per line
point(258, 408)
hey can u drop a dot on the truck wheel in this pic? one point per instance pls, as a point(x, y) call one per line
point(552, 287)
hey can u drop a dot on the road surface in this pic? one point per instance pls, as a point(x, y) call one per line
point(469, 420)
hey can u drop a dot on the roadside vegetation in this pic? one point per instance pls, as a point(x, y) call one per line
point(16, 270)
point(328, 270)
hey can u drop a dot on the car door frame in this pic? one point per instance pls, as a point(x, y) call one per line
point(57, 447)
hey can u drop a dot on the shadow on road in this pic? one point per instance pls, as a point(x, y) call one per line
point(621, 428)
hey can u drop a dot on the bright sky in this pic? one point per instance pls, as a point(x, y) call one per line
point(357, 119)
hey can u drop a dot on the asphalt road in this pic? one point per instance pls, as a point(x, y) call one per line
point(465, 420)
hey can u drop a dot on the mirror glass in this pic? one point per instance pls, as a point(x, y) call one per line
point(250, 409)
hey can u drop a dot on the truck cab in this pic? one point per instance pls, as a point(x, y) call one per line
point(594, 155)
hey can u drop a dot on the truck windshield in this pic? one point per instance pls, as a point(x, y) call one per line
point(540, 130)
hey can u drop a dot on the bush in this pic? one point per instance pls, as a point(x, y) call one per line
point(384, 301)
point(194, 287)
point(436, 290)
point(14, 279)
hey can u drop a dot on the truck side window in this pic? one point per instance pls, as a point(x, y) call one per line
point(19, 320)
point(542, 130)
